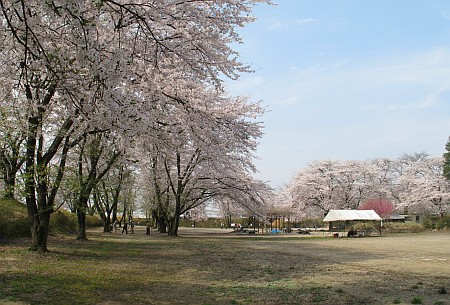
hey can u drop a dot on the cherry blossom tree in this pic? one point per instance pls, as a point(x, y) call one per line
point(327, 185)
point(106, 65)
point(410, 182)
point(380, 179)
point(431, 190)
point(96, 157)
point(209, 159)
point(110, 194)
point(313, 186)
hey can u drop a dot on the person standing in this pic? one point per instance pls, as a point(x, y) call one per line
point(125, 228)
point(148, 227)
point(131, 227)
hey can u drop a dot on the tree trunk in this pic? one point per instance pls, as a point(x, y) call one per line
point(36, 174)
point(11, 163)
point(160, 221)
point(124, 216)
point(174, 222)
point(104, 215)
point(114, 214)
point(39, 217)
point(107, 223)
point(81, 215)
point(39, 231)
point(173, 225)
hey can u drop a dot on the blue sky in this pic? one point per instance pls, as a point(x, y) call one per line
point(347, 79)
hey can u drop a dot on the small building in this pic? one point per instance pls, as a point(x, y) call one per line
point(414, 218)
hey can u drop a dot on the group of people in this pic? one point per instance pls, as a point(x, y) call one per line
point(130, 225)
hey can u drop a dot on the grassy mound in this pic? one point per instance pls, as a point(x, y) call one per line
point(13, 219)
point(64, 222)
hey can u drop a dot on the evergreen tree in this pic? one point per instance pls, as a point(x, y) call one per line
point(447, 160)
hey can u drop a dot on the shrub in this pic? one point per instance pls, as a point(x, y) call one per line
point(416, 300)
point(93, 221)
point(369, 226)
point(63, 222)
point(396, 227)
point(438, 223)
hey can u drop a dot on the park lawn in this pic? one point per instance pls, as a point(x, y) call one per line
point(228, 269)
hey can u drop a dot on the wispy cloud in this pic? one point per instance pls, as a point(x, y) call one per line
point(289, 101)
point(277, 24)
point(412, 82)
point(305, 21)
point(434, 97)
point(245, 84)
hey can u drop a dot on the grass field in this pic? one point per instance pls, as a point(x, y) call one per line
point(213, 267)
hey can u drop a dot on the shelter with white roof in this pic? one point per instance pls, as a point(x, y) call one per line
point(347, 215)
point(352, 215)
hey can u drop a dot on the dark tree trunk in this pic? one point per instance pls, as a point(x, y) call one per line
point(124, 216)
point(81, 215)
point(114, 215)
point(103, 212)
point(88, 184)
point(81, 211)
point(39, 232)
point(160, 221)
point(107, 224)
point(173, 225)
point(38, 213)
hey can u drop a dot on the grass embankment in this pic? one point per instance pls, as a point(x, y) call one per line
point(225, 269)
point(14, 221)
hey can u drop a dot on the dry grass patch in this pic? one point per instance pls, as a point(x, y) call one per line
point(225, 269)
